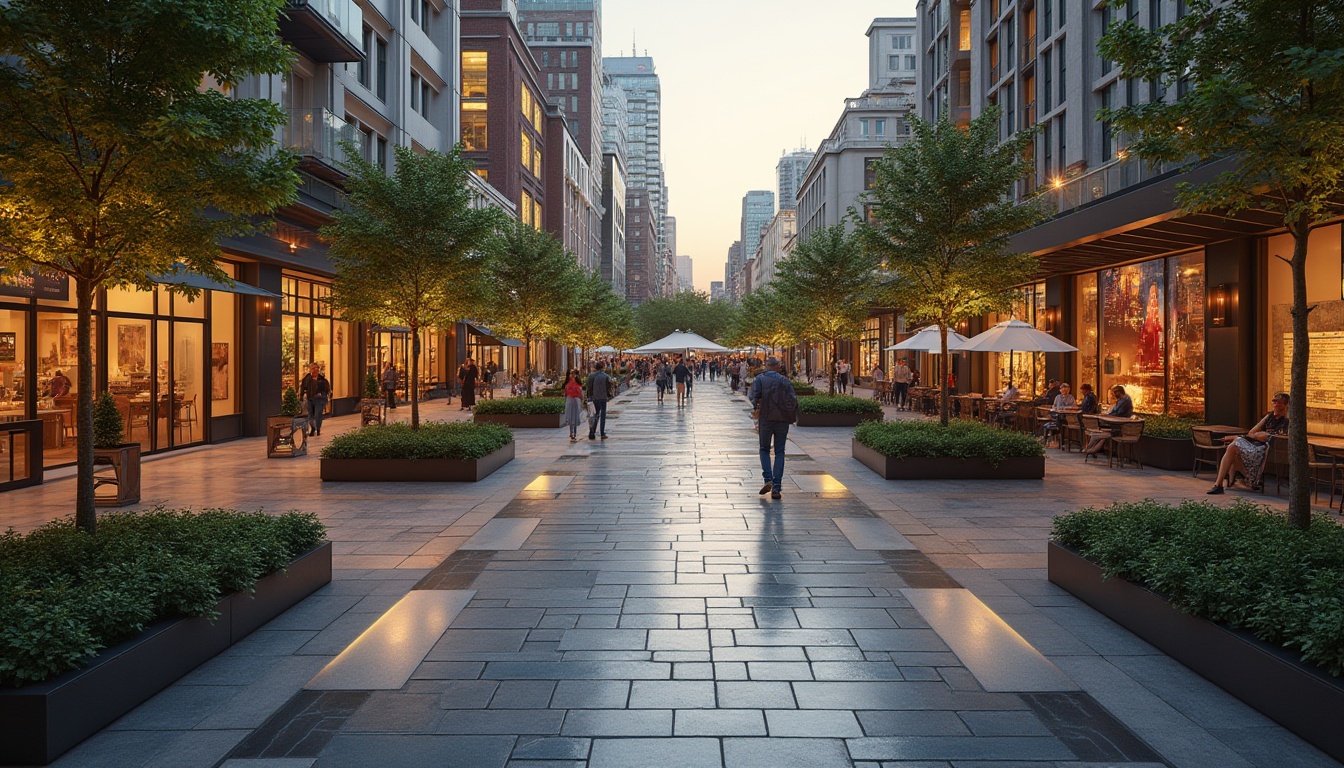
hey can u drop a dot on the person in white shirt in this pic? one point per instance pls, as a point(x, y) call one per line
point(900, 385)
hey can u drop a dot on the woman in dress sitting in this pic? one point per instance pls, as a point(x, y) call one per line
point(1247, 453)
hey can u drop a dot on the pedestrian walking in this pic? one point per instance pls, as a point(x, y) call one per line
point(842, 376)
point(389, 382)
point(467, 374)
point(682, 375)
point(316, 390)
point(900, 386)
point(776, 407)
point(664, 376)
point(573, 404)
point(599, 390)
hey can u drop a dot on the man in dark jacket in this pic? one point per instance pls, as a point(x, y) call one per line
point(317, 391)
point(598, 388)
point(682, 375)
point(771, 426)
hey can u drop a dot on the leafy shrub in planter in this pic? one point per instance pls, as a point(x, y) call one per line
point(108, 427)
point(531, 406)
point(837, 404)
point(801, 388)
point(462, 441)
point(65, 594)
point(958, 440)
point(1241, 565)
point(1172, 427)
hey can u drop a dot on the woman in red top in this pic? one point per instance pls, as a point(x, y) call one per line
point(573, 403)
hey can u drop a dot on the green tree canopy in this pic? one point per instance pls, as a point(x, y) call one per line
point(601, 318)
point(766, 319)
point(686, 311)
point(1265, 82)
point(113, 151)
point(535, 288)
point(410, 249)
point(828, 283)
point(942, 215)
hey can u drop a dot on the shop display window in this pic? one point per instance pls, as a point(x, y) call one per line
point(313, 335)
point(1086, 323)
point(58, 382)
point(1185, 334)
point(13, 348)
point(224, 368)
point(1133, 333)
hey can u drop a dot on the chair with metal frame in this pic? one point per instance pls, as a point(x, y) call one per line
point(1204, 448)
point(1124, 446)
point(1093, 430)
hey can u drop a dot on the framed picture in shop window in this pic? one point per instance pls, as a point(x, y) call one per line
point(9, 347)
point(68, 334)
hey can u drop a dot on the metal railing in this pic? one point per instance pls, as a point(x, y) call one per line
point(344, 15)
point(1062, 196)
point(317, 133)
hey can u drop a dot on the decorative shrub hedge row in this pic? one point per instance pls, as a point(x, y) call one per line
point(801, 388)
point(1172, 427)
point(529, 406)
point(958, 440)
point(65, 595)
point(838, 404)
point(1241, 565)
point(433, 440)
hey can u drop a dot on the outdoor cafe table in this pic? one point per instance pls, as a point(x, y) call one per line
point(1219, 431)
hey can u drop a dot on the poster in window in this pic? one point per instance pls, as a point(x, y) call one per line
point(69, 340)
point(219, 370)
point(131, 348)
point(9, 348)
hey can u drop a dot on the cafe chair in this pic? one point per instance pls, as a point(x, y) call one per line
point(1322, 460)
point(1092, 429)
point(1277, 458)
point(1071, 432)
point(1125, 445)
point(185, 417)
point(1207, 451)
point(1045, 424)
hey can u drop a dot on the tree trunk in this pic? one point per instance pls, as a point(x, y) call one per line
point(86, 516)
point(835, 356)
point(527, 361)
point(1299, 487)
point(942, 376)
point(413, 385)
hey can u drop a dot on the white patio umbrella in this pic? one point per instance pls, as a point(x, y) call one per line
point(1013, 335)
point(927, 340)
point(607, 350)
point(680, 341)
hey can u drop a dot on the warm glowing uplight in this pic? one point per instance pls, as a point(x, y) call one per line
point(1122, 154)
point(1058, 182)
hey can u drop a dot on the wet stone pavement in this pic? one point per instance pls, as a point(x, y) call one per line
point(637, 604)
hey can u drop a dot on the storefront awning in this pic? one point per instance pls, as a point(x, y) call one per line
point(486, 338)
point(180, 276)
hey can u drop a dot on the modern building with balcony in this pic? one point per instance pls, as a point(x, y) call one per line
point(1188, 313)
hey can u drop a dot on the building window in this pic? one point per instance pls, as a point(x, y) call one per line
point(964, 30)
point(426, 14)
point(475, 71)
point(475, 122)
point(880, 127)
point(381, 75)
point(545, 57)
point(426, 96)
point(901, 42)
point(870, 171)
point(1063, 9)
point(362, 69)
point(526, 153)
point(1048, 92)
point(415, 92)
point(894, 61)
point(381, 157)
point(910, 61)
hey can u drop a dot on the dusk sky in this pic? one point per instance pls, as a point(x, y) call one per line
point(743, 82)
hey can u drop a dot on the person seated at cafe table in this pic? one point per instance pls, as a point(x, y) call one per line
point(1010, 394)
point(1051, 392)
point(1122, 408)
point(1247, 454)
point(1088, 404)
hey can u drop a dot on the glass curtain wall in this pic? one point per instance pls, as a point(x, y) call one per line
point(313, 335)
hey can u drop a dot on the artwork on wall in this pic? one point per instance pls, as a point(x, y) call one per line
point(219, 370)
point(9, 348)
point(132, 347)
point(69, 340)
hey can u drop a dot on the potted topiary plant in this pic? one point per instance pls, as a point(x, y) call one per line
point(372, 408)
point(116, 463)
point(286, 434)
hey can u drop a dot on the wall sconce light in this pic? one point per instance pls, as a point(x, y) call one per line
point(265, 311)
point(1223, 305)
point(1050, 319)
point(293, 246)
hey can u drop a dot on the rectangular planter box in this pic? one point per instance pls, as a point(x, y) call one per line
point(522, 420)
point(836, 419)
point(40, 722)
point(415, 471)
point(928, 468)
point(1173, 454)
point(1298, 696)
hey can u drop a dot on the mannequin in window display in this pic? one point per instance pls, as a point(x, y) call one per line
point(1150, 337)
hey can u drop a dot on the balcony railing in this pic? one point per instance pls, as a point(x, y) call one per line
point(326, 30)
point(316, 136)
point(1029, 51)
point(1062, 196)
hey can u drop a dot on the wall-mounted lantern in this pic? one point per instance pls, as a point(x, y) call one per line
point(1223, 305)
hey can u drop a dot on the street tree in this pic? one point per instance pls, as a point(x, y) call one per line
point(685, 311)
point(601, 318)
point(766, 319)
point(829, 283)
point(535, 288)
point(410, 249)
point(1261, 82)
point(114, 152)
point(942, 214)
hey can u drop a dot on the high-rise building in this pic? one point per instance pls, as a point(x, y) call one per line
point(636, 76)
point(615, 137)
point(716, 290)
point(641, 247)
point(731, 269)
point(685, 278)
point(790, 171)
point(566, 40)
point(758, 208)
point(775, 241)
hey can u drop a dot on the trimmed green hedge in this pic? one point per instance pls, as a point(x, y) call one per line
point(66, 595)
point(530, 406)
point(801, 388)
point(1242, 565)
point(433, 440)
point(838, 404)
point(958, 440)
point(1174, 427)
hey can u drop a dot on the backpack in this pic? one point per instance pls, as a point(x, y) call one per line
point(779, 402)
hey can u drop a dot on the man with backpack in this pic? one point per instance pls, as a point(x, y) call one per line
point(776, 407)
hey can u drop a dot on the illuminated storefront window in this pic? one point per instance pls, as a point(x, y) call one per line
point(312, 335)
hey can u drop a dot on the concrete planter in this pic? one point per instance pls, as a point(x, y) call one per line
point(116, 480)
point(836, 419)
point(1176, 454)
point(929, 468)
point(1300, 697)
point(415, 470)
point(40, 722)
point(522, 420)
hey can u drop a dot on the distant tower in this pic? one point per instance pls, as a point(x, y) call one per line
point(790, 172)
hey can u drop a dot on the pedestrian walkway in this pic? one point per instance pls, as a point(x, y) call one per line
point(633, 603)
